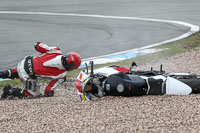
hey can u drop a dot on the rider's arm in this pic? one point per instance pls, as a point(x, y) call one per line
point(49, 90)
point(43, 48)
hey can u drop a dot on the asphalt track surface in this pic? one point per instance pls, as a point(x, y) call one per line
point(89, 36)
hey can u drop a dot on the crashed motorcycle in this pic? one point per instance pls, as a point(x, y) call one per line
point(120, 81)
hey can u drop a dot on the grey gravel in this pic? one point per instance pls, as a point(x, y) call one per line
point(65, 113)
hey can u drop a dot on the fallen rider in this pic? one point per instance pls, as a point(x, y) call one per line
point(50, 64)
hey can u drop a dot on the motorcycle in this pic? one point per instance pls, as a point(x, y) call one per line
point(120, 81)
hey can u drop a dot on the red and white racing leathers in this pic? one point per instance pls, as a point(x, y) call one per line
point(47, 65)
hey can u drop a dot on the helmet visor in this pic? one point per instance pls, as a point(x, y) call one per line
point(68, 64)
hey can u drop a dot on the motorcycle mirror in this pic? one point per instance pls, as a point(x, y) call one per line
point(86, 66)
point(133, 64)
point(161, 70)
point(92, 70)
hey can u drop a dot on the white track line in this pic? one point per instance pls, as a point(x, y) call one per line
point(193, 28)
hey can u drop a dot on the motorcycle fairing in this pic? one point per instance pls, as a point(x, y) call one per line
point(161, 85)
point(105, 71)
point(194, 83)
point(155, 84)
point(122, 84)
point(176, 87)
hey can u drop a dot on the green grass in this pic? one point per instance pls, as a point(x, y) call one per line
point(180, 46)
point(15, 83)
point(184, 45)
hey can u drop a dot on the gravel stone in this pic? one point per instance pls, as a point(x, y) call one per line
point(66, 113)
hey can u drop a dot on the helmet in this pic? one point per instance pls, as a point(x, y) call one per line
point(88, 91)
point(80, 92)
point(84, 96)
point(71, 61)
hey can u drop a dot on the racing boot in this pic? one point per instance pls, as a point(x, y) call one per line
point(5, 74)
point(10, 73)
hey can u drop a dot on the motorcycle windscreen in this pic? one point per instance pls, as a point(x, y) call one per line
point(176, 87)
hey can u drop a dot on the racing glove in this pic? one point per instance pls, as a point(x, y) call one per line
point(49, 93)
